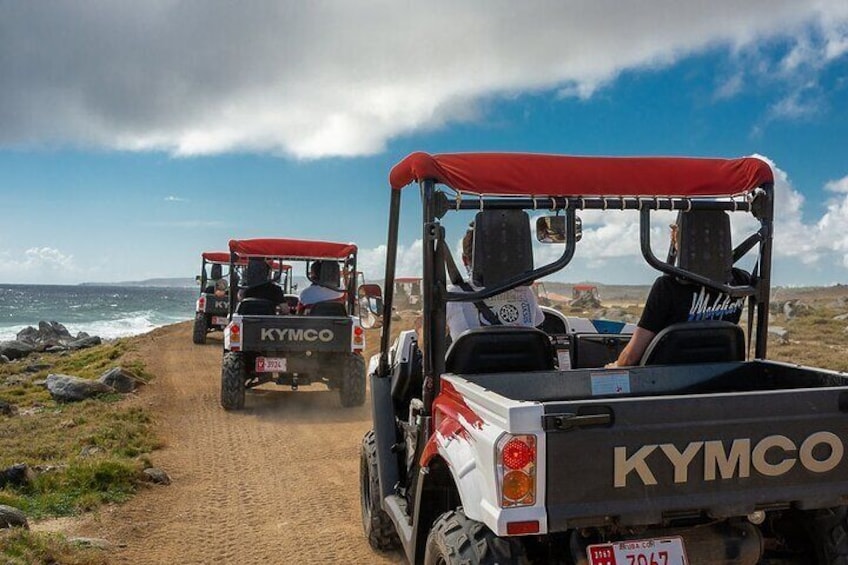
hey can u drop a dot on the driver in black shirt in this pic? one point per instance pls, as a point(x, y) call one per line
point(672, 300)
point(259, 284)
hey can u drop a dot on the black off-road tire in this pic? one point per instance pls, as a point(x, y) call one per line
point(232, 381)
point(201, 326)
point(352, 385)
point(377, 525)
point(828, 530)
point(455, 539)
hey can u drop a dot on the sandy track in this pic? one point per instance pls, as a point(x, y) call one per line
point(275, 483)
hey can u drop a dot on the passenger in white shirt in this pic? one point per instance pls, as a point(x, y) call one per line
point(315, 292)
point(515, 307)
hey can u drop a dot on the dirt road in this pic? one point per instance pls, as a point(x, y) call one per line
point(275, 483)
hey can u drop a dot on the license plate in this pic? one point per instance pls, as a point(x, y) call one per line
point(220, 320)
point(270, 364)
point(656, 551)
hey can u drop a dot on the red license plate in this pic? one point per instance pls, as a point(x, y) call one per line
point(219, 320)
point(270, 364)
point(655, 551)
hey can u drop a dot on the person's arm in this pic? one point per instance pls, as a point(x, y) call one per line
point(635, 348)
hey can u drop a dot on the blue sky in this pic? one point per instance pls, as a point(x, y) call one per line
point(133, 138)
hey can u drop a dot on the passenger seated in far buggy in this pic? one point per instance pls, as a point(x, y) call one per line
point(495, 249)
point(260, 296)
point(323, 297)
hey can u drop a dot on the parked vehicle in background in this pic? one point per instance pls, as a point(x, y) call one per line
point(266, 342)
point(491, 452)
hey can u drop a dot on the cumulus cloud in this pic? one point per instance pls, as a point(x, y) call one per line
point(37, 263)
point(372, 261)
point(313, 79)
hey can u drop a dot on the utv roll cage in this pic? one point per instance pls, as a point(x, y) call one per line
point(295, 250)
point(564, 185)
point(211, 258)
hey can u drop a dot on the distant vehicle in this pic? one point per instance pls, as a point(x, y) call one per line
point(585, 296)
point(408, 292)
point(212, 305)
point(321, 345)
point(541, 293)
point(490, 451)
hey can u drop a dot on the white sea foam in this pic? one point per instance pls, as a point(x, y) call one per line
point(139, 323)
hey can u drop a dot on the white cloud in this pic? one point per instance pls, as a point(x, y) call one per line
point(37, 263)
point(840, 185)
point(313, 79)
point(372, 262)
point(175, 199)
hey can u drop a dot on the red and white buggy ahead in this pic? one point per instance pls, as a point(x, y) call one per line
point(490, 451)
point(212, 307)
point(262, 345)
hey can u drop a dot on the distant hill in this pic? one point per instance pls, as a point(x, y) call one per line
point(179, 282)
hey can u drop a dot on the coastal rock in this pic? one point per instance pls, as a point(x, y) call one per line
point(781, 334)
point(94, 543)
point(7, 409)
point(17, 475)
point(90, 341)
point(3, 359)
point(36, 367)
point(120, 379)
point(15, 349)
point(67, 388)
point(11, 517)
point(841, 317)
point(47, 334)
point(157, 475)
point(794, 308)
point(90, 451)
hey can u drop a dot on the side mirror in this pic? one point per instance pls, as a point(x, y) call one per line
point(197, 279)
point(551, 229)
point(370, 302)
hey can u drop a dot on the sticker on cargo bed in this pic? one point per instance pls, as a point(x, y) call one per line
point(610, 383)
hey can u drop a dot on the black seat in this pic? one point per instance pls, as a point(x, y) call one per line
point(327, 309)
point(500, 349)
point(711, 341)
point(256, 307)
point(593, 350)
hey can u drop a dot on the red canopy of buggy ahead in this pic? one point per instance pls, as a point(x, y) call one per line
point(291, 248)
point(222, 257)
point(524, 174)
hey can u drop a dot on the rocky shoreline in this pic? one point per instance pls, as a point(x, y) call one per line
point(49, 337)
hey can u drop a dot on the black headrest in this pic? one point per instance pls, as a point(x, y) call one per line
point(708, 341)
point(502, 246)
point(256, 307)
point(705, 245)
point(500, 349)
point(215, 272)
point(329, 308)
point(325, 273)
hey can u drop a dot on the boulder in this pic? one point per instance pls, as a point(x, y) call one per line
point(17, 475)
point(157, 475)
point(36, 367)
point(793, 308)
point(7, 409)
point(11, 517)
point(90, 451)
point(781, 334)
point(120, 379)
point(3, 359)
point(67, 388)
point(47, 334)
point(15, 349)
point(82, 343)
point(841, 317)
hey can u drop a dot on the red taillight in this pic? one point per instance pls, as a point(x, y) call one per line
point(358, 331)
point(517, 454)
point(235, 329)
point(519, 528)
point(201, 303)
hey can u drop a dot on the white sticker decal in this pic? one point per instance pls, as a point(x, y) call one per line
point(610, 383)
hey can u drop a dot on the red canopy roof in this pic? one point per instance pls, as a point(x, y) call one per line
point(559, 175)
point(407, 279)
point(291, 248)
point(222, 257)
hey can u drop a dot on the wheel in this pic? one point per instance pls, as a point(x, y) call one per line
point(454, 539)
point(201, 326)
point(828, 531)
point(378, 527)
point(352, 389)
point(232, 381)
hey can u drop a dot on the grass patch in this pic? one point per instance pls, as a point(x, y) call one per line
point(23, 547)
point(84, 453)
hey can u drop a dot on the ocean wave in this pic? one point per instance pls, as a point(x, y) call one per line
point(133, 324)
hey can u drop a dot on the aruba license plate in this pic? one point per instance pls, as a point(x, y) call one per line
point(656, 551)
point(220, 320)
point(270, 364)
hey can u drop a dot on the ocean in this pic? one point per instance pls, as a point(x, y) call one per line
point(106, 311)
